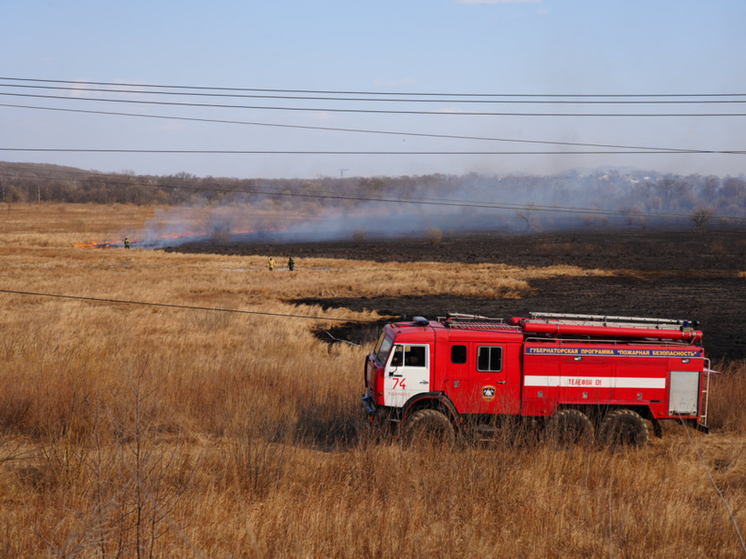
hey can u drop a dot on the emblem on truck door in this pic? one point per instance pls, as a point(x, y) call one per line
point(488, 393)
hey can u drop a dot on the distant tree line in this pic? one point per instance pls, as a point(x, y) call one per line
point(632, 194)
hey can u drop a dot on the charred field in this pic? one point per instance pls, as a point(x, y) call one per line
point(137, 420)
point(656, 273)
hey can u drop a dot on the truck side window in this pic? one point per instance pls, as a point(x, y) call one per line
point(489, 359)
point(458, 354)
point(414, 356)
point(409, 356)
point(398, 358)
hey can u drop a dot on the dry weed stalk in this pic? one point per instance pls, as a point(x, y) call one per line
point(149, 431)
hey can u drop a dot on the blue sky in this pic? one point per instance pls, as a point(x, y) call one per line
point(410, 46)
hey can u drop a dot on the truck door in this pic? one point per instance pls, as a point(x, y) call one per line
point(496, 382)
point(407, 373)
point(458, 376)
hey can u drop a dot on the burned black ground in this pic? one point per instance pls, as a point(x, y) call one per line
point(671, 274)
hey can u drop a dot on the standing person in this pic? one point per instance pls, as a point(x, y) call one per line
point(271, 264)
point(126, 242)
point(291, 264)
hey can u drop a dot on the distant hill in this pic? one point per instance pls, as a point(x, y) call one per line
point(583, 197)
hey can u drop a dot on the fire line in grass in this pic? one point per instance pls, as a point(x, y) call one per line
point(176, 238)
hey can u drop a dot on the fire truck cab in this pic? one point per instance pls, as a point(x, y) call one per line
point(579, 375)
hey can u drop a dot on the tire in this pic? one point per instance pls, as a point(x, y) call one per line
point(624, 428)
point(429, 426)
point(568, 428)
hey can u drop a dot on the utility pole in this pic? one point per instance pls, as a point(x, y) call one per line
point(342, 172)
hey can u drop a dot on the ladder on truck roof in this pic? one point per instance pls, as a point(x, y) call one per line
point(458, 316)
point(475, 322)
point(553, 324)
point(617, 321)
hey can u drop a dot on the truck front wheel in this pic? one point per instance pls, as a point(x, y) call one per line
point(570, 427)
point(624, 428)
point(429, 425)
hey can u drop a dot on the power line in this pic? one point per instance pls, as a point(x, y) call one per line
point(349, 152)
point(181, 307)
point(367, 111)
point(433, 98)
point(357, 130)
point(376, 93)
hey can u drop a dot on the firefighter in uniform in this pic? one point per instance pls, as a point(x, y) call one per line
point(126, 242)
point(271, 264)
point(291, 264)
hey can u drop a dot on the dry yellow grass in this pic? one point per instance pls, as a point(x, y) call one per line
point(133, 431)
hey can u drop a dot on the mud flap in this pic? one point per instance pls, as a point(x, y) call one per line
point(657, 429)
point(369, 404)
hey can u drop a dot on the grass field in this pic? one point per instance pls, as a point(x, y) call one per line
point(143, 430)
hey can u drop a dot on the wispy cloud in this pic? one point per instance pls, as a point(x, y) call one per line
point(78, 89)
point(323, 115)
point(171, 125)
point(498, 1)
point(394, 83)
point(451, 110)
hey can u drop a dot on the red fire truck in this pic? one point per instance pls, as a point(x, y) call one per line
point(580, 376)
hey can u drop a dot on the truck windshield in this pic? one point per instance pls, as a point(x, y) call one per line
point(384, 346)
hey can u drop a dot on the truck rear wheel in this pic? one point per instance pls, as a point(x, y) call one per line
point(430, 426)
point(570, 427)
point(624, 428)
